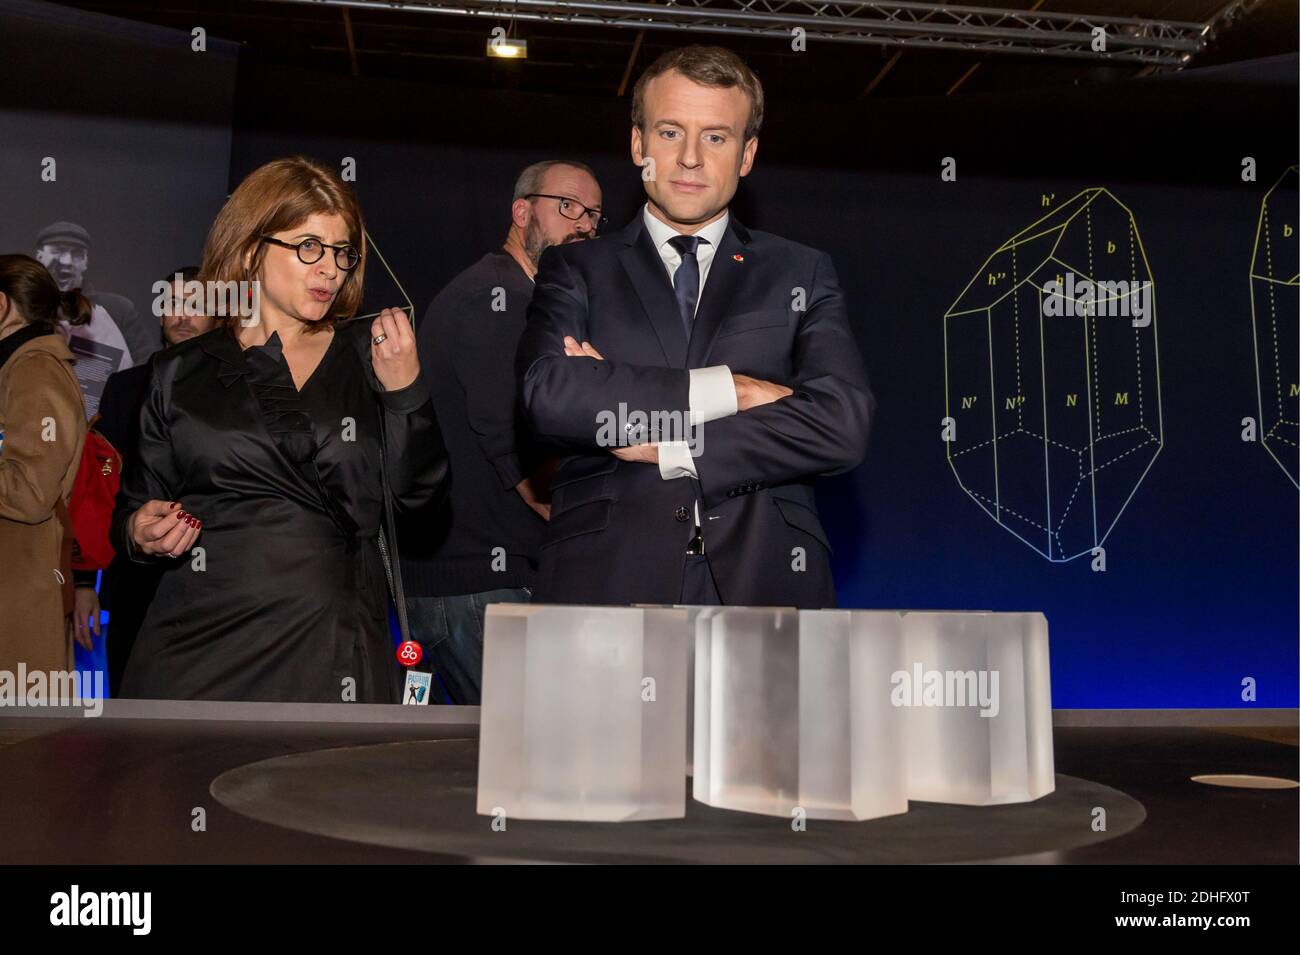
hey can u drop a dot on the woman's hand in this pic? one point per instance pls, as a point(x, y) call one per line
point(85, 616)
point(395, 360)
point(163, 528)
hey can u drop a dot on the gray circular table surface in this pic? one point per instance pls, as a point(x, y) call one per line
point(420, 795)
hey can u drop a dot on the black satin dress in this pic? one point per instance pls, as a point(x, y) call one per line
point(287, 600)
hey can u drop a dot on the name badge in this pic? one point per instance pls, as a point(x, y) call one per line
point(416, 691)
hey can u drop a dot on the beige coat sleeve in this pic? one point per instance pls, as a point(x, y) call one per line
point(44, 422)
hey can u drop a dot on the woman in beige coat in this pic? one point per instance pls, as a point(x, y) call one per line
point(42, 428)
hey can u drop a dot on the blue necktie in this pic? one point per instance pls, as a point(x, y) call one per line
point(686, 280)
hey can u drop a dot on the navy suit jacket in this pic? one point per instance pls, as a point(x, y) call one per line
point(770, 308)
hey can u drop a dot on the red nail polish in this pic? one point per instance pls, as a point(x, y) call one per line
point(173, 505)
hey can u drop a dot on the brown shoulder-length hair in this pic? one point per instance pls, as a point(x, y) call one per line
point(276, 197)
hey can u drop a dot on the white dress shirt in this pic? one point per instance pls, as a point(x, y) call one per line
point(712, 391)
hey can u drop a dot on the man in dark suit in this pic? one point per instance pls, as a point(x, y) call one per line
point(125, 390)
point(702, 375)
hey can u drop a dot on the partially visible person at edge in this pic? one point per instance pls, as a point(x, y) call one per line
point(128, 587)
point(260, 471)
point(484, 548)
point(42, 428)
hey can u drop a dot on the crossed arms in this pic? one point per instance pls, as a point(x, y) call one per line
point(816, 423)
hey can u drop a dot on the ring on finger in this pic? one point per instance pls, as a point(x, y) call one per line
point(379, 339)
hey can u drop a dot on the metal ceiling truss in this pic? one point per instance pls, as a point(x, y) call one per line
point(909, 24)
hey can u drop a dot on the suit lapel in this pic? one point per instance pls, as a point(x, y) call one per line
point(646, 270)
point(719, 290)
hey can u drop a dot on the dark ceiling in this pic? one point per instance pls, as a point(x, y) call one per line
point(447, 50)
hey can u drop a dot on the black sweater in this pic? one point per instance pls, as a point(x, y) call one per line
point(467, 345)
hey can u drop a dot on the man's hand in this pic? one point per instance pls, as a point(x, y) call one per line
point(752, 392)
point(585, 350)
point(534, 498)
point(645, 453)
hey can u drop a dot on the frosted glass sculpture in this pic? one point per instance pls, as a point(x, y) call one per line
point(584, 713)
point(793, 712)
point(697, 618)
point(978, 696)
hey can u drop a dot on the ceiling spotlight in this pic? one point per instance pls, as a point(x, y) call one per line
point(507, 49)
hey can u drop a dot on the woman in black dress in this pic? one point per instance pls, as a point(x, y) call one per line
point(259, 478)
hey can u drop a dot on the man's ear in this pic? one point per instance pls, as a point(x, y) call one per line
point(4, 306)
point(637, 156)
point(747, 156)
point(520, 213)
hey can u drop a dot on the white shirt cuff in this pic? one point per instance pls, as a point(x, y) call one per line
point(675, 460)
point(712, 394)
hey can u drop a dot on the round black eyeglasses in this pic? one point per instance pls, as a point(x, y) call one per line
point(310, 251)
